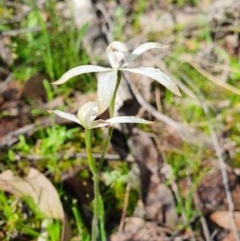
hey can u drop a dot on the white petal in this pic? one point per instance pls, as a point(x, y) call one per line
point(127, 119)
point(141, 49)
point(99, 123)
point(80, 70)
point(119, 120)
point(66, 115)
point(116, 52)
point(105, 89)
point(157, 75)
point(87, 114)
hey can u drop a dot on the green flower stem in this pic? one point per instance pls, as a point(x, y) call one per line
point(101, 205)
point(93, 168)
point(106, 144)
point(110, 129)
point(102, 219)
point(88, 142)
point(111, 107)
point(98, 210)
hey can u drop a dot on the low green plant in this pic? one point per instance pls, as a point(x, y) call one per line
point(79, 222)
point(48, 90)
point(108, 83)
point(52, 35)
point(20, 216)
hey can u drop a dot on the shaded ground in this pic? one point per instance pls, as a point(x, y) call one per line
point(190, 197)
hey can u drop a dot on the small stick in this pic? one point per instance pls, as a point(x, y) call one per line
point(181, 129)
point(125, 206)
point(3, 85)
point(205, 229)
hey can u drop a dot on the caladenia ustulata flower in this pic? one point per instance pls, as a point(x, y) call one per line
point(88, 113)
point(119, 58)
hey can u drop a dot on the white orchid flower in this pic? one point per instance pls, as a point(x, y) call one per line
point(119, 58)
point(88, 113)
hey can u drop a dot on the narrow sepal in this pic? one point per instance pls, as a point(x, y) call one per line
point(105, 89)
point(65, 115)
point(143, 48)
point(157, 75)
point(127, 119)
point(78, 71)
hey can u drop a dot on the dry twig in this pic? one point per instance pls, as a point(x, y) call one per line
point(182, 130)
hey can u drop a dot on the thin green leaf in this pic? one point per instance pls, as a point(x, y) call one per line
point(66, 115)
point(141, 49)
point(157, 75)
point(80, 70)
point(105, 89)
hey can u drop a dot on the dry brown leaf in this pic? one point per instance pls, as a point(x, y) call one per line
point(229, 237)
point(36, 186)
point(224, 219)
